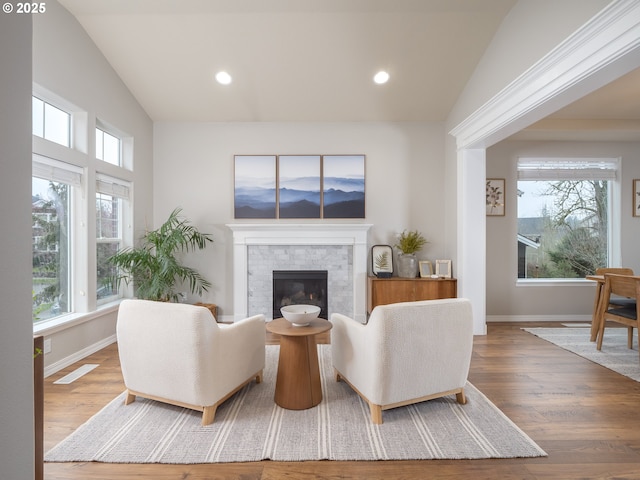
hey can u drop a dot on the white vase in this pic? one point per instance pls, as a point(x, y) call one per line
point(407, 265)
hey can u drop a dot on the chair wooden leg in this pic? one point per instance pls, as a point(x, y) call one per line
point(461, 398)
point(629, 337)
point(376, 413)
point(208, 414)
point(259, 377)
point(130, 398)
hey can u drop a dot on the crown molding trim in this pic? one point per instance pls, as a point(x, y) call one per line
point(603, 49)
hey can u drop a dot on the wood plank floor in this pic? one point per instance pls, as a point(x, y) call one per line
point(587, 418)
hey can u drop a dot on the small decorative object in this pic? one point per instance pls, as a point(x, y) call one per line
point(426, 269)
point(495, 196)
point(300, 315)
point(636, 198)
point(382, 261)
point(443, 268)
point(409, 242)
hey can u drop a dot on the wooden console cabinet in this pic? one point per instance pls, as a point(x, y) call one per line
point(382, 291)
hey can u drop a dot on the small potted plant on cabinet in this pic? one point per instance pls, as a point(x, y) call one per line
point(409, 242)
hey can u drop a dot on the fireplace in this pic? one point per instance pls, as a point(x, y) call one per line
point(294, 287)
point(259, 249)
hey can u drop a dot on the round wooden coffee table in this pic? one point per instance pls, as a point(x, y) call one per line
point(298, 384)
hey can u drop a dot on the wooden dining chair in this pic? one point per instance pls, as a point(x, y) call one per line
point(616, 300)
point(624, 286)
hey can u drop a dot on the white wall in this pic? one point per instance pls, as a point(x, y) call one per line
point(67, 63)
point(505, 300)
point(193, 169)
point(16, 342)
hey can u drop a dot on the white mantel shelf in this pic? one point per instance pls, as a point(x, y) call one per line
point(245, 234)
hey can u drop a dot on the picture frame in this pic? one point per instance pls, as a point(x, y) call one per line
point(254, 193)
point(299, 186)
point(382, 261)
point(443, 268)
point(343, 182)
point(636, 197)
point(495, 197)
point(426, 268)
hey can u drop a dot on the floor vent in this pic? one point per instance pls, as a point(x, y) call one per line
point(76, 374)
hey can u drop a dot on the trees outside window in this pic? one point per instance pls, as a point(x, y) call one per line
point(564, 224)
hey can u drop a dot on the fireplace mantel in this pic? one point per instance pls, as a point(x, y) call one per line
point(246, 234)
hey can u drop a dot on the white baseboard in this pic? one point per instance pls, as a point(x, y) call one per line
point(538, 318)
point(79, 355)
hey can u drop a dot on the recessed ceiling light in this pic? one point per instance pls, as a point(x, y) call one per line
point(223, 78)
point(381, 77)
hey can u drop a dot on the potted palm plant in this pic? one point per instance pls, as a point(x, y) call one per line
point(154, 267)
point(409, 242)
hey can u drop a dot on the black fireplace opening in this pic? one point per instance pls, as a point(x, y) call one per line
point(295, 287)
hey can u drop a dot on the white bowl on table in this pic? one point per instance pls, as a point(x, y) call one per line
point(300, 315)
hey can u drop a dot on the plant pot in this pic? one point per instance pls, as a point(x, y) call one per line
point(407, 265)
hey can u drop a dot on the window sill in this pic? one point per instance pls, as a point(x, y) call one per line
point(553, 282)
point(63, 322)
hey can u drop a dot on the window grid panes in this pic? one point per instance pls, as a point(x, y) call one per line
point(51, 123)
point(108, 242)
point(51, 249)
point(108, 147)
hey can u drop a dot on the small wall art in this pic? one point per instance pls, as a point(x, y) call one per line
point(636, 198)
point(495, 197)
point(382, 261)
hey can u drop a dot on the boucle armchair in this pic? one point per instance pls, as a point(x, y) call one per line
point(178, 354)
point(406, 353)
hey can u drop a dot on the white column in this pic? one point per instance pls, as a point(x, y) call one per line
point(472, 233)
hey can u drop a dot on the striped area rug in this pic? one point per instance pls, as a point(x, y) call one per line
point(250, 427)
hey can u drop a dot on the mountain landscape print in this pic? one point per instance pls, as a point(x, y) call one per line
point(255, 186)
point(343, 186)
point(299, 186)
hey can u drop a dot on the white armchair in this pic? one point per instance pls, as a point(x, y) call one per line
point(406, 353)
point(178, 354)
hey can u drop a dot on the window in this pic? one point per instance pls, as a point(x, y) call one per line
point(71, 274)
point(564, 216)
point(52, 189)
point(108, 147)
point(111, 194)
point(51, 123)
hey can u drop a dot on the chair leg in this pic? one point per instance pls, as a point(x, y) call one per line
point(336, 375)
point(461, 398)
point(130, 398)
point(259, 377)
point(208, 414)
point(376, 413)
point(629, 337)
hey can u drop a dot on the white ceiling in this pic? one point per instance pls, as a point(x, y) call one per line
point(313, 60)
point(292, 60)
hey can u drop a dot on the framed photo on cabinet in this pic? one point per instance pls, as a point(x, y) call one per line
point(495, 197)
point(443, 268)
point(382, 261)
point(426, 269)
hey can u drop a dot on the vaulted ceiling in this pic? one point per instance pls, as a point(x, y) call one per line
point(314, 60)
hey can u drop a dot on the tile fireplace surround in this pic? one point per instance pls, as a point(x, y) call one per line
point(258, 249)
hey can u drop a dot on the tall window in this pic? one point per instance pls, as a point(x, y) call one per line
point(564, 226)
point(51, 123)
point(108, 147)
point(52, 188)
point(111, 194)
